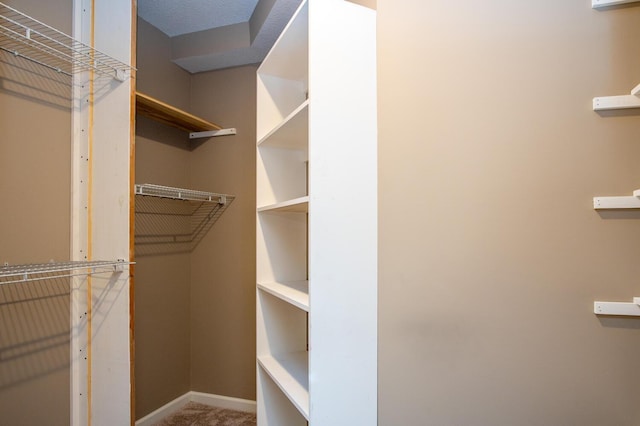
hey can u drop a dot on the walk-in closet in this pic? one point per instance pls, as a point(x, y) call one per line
point(319, 212)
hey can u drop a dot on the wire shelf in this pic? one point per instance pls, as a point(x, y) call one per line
point(174, 220)
point(28, 38)
point(180, 193)
point(10, 274)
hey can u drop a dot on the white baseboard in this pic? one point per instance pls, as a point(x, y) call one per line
point(164, 411)
point(224, 402)
point(219, 401)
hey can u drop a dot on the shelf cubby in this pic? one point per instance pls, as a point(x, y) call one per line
point(290, 373)
point(291, 132)
point(283, 76)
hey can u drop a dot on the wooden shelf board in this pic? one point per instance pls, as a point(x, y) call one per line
point(293, 292)
point(167, 114)
point(297, 205)
point(291, 373)
point(292, 132)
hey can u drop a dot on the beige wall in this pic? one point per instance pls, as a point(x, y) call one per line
point(491, 254)
point(162, 282)
point(35, 134)
point(223, 265)
point(195, 313)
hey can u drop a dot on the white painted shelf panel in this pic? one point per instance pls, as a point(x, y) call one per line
point(290, 373)
point(596, 4)
point(293, 292)
point(292, 133)
point(296, 205)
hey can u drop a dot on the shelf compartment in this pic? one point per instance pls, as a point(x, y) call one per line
point(293, 292)
point(288, 58)
point(287, 133)
point(297, 205)
point(596, 4)
point(290, 373)
point(283, 76)
point(174, 220)
point(10, 274)
point(605, 203)
point(171, 116)
point(28, 38)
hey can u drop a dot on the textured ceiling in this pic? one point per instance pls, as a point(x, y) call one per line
point(176, 17)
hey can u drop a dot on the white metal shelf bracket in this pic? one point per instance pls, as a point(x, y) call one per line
point(597, 4)
point(212, 133)
point(605, 203)
point(630, 309)
point(631, 101)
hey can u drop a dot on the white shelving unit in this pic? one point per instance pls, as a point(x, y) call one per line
point(28, 38)
point(317, 221)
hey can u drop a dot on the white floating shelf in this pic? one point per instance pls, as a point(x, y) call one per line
point(293, 292)
point(297, 205)
point(604, 203)
point(287, 133)
point(618, 308)
point(290, 373)
point(10, 274)
point(596, 4)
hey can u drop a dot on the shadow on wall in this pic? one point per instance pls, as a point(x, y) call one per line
point(166, 226)
point(28, 80)
point(34, 330)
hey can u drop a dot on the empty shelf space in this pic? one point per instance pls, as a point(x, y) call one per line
point(628, 202)
point(293, 292)
point(596, 4)
point(172, 116)
point(291, 132)
point(288, 59)
point(618, 308)
point(290, 373)
point(297, 205)
point(45, 271)
point(23, 36)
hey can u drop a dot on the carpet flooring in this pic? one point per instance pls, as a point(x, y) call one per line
point(195, 414)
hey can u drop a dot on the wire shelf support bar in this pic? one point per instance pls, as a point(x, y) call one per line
point(11, 274)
